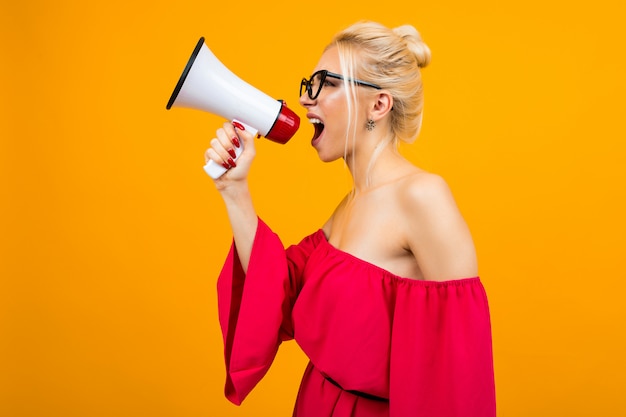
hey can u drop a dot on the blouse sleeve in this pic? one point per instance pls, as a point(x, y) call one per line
point(255, 308)
point(441, 352)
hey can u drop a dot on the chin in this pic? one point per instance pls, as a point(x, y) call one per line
point(325, 157)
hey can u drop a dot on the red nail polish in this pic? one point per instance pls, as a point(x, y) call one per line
point(235, 141)
point(238, 125)
point(232, 153)
point(225, 165)
point(232, 163)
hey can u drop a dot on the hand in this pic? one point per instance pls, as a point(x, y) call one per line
point(222, 152)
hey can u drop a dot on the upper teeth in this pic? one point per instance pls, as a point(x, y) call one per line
point(315, 121)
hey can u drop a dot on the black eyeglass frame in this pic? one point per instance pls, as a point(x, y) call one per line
point(306, 84)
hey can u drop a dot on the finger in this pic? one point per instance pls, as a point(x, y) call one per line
point(231, 134)
point(247, 141)
point(211, 155)
point(227, 141)
point(242, 133)
point(225, 157)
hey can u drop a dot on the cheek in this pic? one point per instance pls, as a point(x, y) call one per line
point(336, 99)
point(336, 111)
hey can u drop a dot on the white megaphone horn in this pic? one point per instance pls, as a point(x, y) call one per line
point(206, 84)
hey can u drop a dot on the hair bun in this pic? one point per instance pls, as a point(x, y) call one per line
point(414, 42)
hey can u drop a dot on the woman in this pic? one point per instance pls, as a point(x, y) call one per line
point(384, 299)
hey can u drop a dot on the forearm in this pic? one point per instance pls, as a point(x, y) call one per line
point(243, 220)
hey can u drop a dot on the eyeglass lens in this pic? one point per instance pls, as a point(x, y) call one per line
point(314, 85)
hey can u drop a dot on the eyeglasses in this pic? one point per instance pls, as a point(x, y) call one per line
point(314, 85)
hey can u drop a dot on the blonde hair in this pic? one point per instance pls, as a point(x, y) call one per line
point(390, 58)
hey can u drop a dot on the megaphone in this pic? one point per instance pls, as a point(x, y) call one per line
point(206, 84)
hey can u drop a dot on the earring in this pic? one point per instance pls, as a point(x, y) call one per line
point(370, 125)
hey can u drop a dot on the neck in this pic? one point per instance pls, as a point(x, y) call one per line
point(383, 169)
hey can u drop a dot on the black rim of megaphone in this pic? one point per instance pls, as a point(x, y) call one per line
point(183, 77)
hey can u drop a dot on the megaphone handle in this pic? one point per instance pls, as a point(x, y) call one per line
point(215, 170)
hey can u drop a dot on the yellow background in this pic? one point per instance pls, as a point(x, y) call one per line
point(112, 236)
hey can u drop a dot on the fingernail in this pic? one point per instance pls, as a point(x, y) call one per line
point(238, 125)
point(235, 141)
point(225, 165)
point(232, 153)
point(258, 136)
point(232, 163)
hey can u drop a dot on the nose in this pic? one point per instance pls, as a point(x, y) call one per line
point(305, 100)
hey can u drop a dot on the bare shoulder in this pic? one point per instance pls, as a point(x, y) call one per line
point(436, 232)
point(425, 191)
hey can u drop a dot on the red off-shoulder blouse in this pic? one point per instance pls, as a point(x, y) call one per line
point(378, 344)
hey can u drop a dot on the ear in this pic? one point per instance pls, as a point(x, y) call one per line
point(382, 104)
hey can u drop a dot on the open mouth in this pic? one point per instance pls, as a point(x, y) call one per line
point(319, 127)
